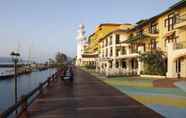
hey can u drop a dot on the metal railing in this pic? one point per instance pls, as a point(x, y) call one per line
point(154, 31)
point(123, 52)
point(121, 72)
point(133, 51)
point(180, 45)
point(19, 110)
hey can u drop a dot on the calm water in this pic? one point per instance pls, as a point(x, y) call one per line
point(26, 83)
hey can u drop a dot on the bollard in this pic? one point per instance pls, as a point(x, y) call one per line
point(24, 107)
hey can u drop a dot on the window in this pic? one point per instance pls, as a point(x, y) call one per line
point(110, 63)
point(110, 40)
point(139, 33)
point(105, 65)
point(117, 38)
point(111, 52)
point(178, 65)
point(134, 64)
point(124, 65)
point(153, 28)
point(123, 50)
point(144, 46)
point(117, 52)
point(171, 38)
point(117, 64)
point(170, 22)
point(106, 44)
point(153, 44)
point(102, 44)
point(134, 48)
point(106, 53)
point(165, 43)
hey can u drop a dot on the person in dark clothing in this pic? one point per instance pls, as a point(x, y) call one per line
point(72, 74)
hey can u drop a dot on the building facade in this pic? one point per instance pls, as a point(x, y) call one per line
point(119, 46)
point(93, 48)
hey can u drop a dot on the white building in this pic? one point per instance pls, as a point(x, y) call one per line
point(81, 44)
point(116, 56)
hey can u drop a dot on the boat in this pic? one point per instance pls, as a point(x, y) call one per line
point(9, 73)
point(6, 74)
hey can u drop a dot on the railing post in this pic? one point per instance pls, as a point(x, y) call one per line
point(24, 107)
point(41, 89)
point(1, 115)
point(48, 82)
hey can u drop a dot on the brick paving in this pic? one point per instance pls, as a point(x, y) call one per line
point(87, 97)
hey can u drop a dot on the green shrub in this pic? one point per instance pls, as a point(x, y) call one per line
point(154, 63)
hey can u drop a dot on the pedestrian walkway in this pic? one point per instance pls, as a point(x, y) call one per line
point(87, 97)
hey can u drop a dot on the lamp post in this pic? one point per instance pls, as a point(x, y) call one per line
point(15, 58)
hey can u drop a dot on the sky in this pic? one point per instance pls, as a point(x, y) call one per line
point(41, 28)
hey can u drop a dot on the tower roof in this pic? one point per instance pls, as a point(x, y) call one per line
point(81, 26)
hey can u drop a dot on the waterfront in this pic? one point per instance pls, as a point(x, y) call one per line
point(26, 83)
point(128, 61)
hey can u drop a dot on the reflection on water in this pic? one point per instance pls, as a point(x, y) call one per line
point(26, 83)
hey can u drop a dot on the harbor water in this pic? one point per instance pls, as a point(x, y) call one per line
point(25, 84)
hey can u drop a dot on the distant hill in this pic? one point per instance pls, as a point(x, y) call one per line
point(8, 60)
point(5, 60)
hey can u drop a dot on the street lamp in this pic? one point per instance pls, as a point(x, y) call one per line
point(15, 58)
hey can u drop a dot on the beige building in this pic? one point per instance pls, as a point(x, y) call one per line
point(119, 48)
point(93, 49)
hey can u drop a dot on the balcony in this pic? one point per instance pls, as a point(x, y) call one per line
point(181, 22)
point(180, 45)
point(131, 54)
point(133, 51)
point(138, 37)
point(153, 33)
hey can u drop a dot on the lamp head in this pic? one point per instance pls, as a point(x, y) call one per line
point(15, 56)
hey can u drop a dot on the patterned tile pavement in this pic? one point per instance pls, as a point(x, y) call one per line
point(169, 100)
